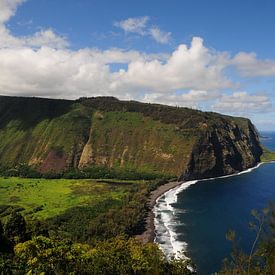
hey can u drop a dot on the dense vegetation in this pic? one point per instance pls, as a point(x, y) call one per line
point(57, 135)
point(23, 170)
point(59, 138)
point(43, 255)
point(81, 227)
point(268, 155)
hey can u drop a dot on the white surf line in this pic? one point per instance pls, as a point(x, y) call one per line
point(164, 209)
point(163, 219)
point(236, 174)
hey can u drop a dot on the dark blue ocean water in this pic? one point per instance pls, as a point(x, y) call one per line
point(205, 211)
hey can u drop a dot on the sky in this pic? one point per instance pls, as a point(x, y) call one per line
point(210, 55)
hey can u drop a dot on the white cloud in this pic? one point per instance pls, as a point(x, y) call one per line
point(42, 65)
point(249, 65)
point(195, 68)
point(42, 38)
point(8, 9)
point(45, 38)
point(70, 74)
point(134, 25)
point(193, 98)
point(242, 102)
point(160, 36)
point(139, 25)
point(38, 39)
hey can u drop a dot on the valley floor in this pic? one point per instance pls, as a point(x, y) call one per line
point(46, 198)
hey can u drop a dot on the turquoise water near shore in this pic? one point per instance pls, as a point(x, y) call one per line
point(196, 217)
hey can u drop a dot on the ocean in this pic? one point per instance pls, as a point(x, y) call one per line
point(196, 216)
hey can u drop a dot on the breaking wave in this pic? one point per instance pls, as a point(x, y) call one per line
point(165, 218)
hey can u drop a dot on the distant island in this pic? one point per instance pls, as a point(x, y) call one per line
point(264, 137)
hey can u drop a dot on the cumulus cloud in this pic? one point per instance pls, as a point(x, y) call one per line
point(45, 38)
point(249, 65)
point(38, 39)
point(134, 25)
point(160, 36)
point(49, 71)
point(42, 38)
point(195, 68)
point(192, 99)
point(242, 102)
point(42, 64)
point(8, 9)
point(139, 25)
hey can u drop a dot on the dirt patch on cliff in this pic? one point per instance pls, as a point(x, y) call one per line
point(55, 161)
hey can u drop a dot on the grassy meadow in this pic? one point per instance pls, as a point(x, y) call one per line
point(267, 155)
point(45, 198)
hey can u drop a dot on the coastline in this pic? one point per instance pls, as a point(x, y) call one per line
point(149, 234)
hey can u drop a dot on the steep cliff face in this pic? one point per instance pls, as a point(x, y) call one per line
point(128, 139)
point(55, 135)
point(224, 149)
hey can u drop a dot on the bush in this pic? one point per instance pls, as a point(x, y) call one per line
point(116, 256)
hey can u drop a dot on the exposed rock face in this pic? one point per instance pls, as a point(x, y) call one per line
point(224, 150)
point(55, 135)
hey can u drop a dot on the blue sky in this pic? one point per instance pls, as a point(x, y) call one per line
point(212, 55)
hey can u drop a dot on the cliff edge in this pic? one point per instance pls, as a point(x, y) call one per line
point(56, 135)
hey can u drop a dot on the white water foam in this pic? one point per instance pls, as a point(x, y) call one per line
point(236, 174)
point(165, 222)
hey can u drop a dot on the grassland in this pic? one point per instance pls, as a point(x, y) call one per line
point(44, 198)
point(267, 155)
point(128, 139)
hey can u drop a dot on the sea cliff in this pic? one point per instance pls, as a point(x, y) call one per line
point(57, 135)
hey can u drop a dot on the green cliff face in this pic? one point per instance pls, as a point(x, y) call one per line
point(54, 135)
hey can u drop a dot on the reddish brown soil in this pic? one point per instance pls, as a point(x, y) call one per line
point(53, 162)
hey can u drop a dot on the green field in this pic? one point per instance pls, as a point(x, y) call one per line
point(267, 155)
point(45, 198)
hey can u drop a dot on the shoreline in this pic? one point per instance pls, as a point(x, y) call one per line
point(149, 234)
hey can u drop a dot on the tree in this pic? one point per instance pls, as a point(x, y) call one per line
point(45, 255)
point(1, 230)
point(117, 256)
point(261, 258)
point(15, 228)
point(2, 238)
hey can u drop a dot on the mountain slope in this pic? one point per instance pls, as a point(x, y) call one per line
point(54, 135)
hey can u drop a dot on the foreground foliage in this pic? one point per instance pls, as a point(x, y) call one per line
point(92, 238)
point(44, 255)
point(261, 259)
point(116, 256)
